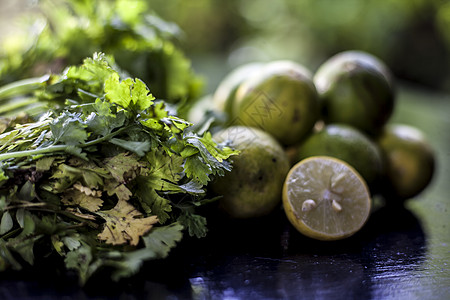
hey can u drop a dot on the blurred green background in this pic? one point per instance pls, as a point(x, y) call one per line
point(411, 36)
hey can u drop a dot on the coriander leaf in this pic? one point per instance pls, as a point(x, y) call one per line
point(102, 120)
point(112, 187)
point(66, 175)
point(174, 124)
point(6, 223)
point(57, 244)
point(124, 224)
point(86, 190)
point(75, 151)
point(122, 166)
point(118, 92)
point(26, 222)
point(158, 243)
point(80, 260)
point(25, 249)
point(162, 185)
point(150, 199)
point(45, 163)
point(192, 187)
point(154, 116)
point(134, 146)
point(188, 151)
point(75, 197)
point(197, 170)
point(23, 243)
point(164, 166)
point(161, 239)
point(158, 110)
point(153, 123)
point(131, 13)
point(126, 264)
point(3, 177)
point(212, 156)
point(69, 129)
point(91, 75)
point(195, 224)
point(208, 148)
point(140, 95)
point(72, 242)
point(20, 215)
point(27, 192)
point(6, 257)
point(128, 93)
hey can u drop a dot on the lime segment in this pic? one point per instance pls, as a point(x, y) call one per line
point(325, 198)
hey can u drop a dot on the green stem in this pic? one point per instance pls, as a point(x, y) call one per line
point(18, 154)
point(58, 148)
point(17, 105)
point(21, 87)
point(10, 233)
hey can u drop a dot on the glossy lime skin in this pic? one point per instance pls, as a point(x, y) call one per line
point(410, 161)
point(254, 185)
point(280, 99)
point(355, 88)
point(349, 144)
point(224, 96)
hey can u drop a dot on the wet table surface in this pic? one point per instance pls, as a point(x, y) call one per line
point(401, 253)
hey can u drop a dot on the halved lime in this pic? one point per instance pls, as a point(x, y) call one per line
point(325, 198)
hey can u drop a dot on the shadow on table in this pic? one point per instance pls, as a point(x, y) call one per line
point(255, 259)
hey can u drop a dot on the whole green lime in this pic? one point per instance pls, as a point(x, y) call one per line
point(223, 97)
point(348, 144)
point(410, 161)
point(253, 187)
point(355, 88)
point(280, 99)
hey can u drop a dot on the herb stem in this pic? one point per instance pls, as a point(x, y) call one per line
point(26, 205)
point(11, 233)
point(59, 148)
point(21, 87)
point(18, 154)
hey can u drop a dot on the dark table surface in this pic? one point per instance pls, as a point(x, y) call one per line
point(401, 253)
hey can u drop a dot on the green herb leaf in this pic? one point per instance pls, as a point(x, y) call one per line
point(196, 169)
point(6, 223)
point(160, 240)
point(140, 148)
point(69, 129)
point(150, 199)
point(195, 224)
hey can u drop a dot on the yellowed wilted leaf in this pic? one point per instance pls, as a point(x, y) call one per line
point(79, 198)
point(119, 189)
point(76, 212)
point(122, 192)
point(86, 190)
point(124, 224)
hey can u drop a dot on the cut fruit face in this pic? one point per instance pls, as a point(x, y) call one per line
point(325, 198)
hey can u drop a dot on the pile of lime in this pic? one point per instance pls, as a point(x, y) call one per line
point(332, 129)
